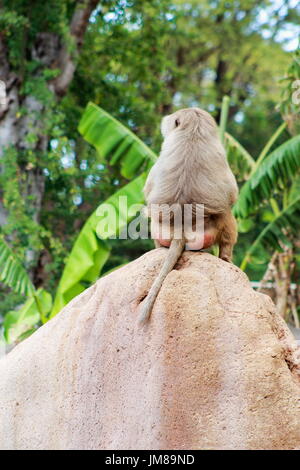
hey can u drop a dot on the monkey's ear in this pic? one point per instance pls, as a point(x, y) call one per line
point(177, 122)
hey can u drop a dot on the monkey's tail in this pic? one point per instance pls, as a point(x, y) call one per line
point(174, 253)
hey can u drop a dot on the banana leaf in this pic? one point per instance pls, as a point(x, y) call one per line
point(18, 323)
point(90, 253)
point(277, 232)
point(115, 143)
point(12, 272)
point(277, 170)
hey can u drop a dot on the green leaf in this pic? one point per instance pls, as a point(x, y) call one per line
point(90, 253)
point(114, 142)
point(269, 145)
point(12, 272)
point(294, 190)
point(118, 146)
point(239, 159)
point(276, 170)
point(268, 216)
point(277, 232)
point(19, 322)
point(245, 225)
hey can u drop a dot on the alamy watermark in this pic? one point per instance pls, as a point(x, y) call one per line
point(167, 221)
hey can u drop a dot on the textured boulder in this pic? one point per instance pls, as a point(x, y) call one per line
point(214, 369)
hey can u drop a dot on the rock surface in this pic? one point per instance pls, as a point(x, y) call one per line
point(214, 369)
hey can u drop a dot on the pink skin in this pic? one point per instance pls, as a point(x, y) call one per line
point(198, 244)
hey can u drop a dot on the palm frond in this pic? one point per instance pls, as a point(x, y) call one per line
point(18, 323)
point(277, 233)
point(276, 171)
point(12, 272)
point(118, 146)
point(114, 142)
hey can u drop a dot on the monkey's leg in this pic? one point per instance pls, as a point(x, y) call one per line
point(228, 236)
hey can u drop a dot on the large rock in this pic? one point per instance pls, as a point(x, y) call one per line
point(215, 368)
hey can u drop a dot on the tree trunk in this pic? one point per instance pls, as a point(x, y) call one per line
point(27, 131)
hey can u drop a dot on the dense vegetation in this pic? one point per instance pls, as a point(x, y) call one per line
point(139, 61)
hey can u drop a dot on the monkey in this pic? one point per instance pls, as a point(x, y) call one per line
point(192, 168)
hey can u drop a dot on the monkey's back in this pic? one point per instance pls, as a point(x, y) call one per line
point(190, 171)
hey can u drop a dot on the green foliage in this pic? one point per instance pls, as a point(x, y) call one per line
point(90, 252)
point(14, 26)
point(146, 52)
point(271, 172)
point(20, 323)
point(239, 159)
point(241, 162)
point(276, 171)
point(277, 233)
point(120, 147)
point(114, 142)
point(20, 223)
point(12, 272)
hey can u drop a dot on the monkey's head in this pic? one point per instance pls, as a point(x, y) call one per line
point(194, 120)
